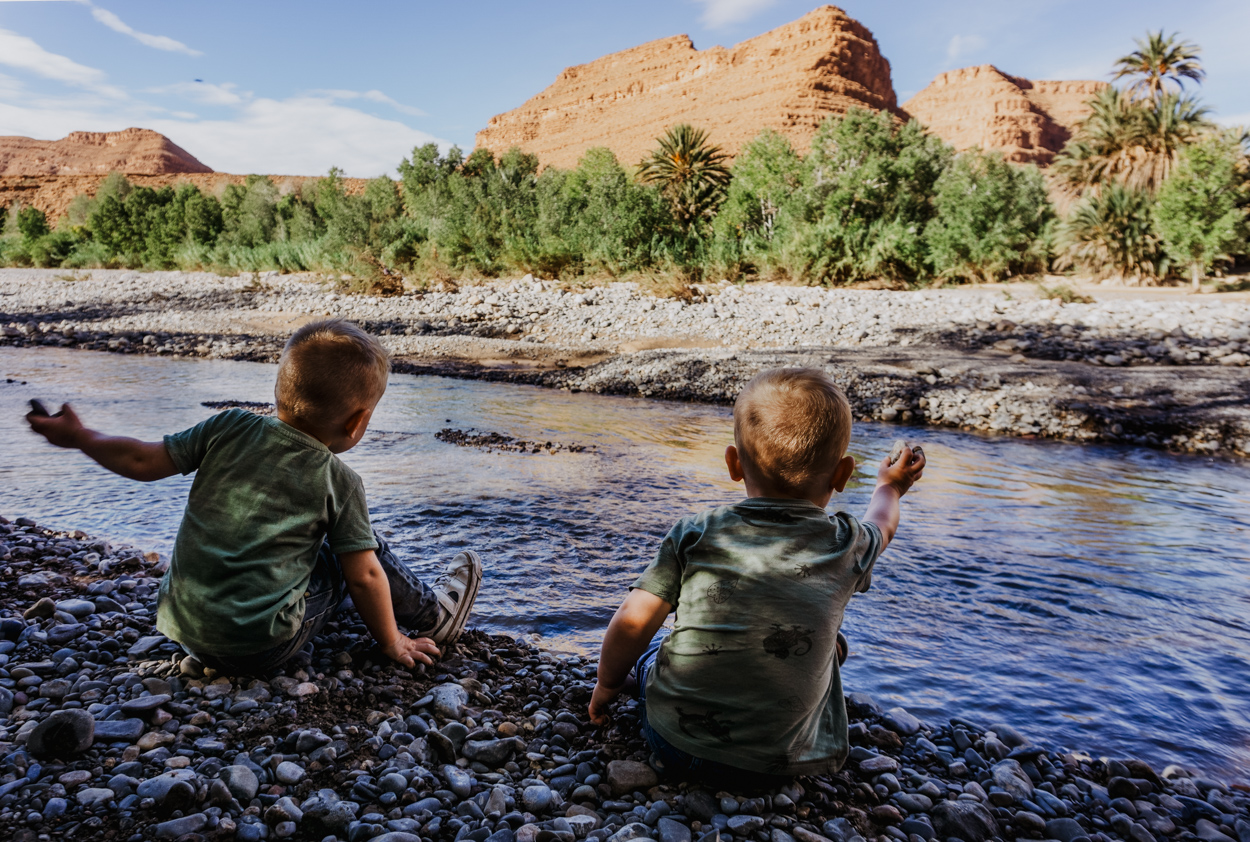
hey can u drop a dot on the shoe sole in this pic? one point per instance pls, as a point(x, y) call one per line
point(458, 620)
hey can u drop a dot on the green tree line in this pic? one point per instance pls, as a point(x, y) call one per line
point(1147, 187)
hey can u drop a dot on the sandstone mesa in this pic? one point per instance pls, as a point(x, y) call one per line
point(131, 151)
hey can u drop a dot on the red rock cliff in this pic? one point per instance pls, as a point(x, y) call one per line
point(788, 79)
point(132, 151)
point(982, 106)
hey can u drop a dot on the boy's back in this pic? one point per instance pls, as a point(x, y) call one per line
point(264, 496)
point(749, 677)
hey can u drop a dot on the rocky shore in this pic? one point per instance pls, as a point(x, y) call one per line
point(109, 731)
point(1169, 371)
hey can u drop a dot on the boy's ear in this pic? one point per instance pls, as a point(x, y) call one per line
point(842, 473)
point(355, 421)
point(734, 463)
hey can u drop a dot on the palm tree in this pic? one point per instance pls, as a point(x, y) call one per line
point(690, 172)
point(1158, 61)
point(1112, 233)
point(1128, 142)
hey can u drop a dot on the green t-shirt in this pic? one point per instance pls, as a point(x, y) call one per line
point(265, 497)
point(749, 676)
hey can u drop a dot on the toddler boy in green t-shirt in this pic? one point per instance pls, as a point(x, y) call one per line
point(747, 689)
point(276, 532)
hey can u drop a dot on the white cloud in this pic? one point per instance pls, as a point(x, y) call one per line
point(23, 53)
point(718, 13)
point(157, 42)
point(205, 92)
point(372, 96)
point(1234, 120)
point(962, 45)
point(303, 135)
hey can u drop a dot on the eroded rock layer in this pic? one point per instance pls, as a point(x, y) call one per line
point(982, 106)
point(131, 151)
point(788, 79)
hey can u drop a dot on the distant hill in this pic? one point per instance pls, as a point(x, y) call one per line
point(132, 151)
point(982, 106)
point(788, 79)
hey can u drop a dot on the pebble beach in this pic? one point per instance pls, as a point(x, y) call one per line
point(109, 731)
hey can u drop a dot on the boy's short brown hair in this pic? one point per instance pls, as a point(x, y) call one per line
point(791, 425)
point(328, 370)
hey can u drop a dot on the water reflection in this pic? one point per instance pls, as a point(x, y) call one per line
point(1091, 596)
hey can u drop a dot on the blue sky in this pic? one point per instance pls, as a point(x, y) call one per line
point(297, 87)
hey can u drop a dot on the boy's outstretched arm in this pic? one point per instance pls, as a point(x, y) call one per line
point(634, 624)
point(141, 460)
point(371, 593)
point(893, 481)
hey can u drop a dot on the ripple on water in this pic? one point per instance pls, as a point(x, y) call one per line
point(1092, 596)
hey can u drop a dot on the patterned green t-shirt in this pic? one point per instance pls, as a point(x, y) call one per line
point(749, 676)
point(265, 497)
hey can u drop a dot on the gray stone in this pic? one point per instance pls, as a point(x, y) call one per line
point(966, 820)
point(629, 775)
point(741, 825)
point(459, 781)
point(174, 828)
point(496, 804)
point(536, 799)
point(94, 795)
point(672, 831)
point(108, 605)
point(804, 835)
point(878, 765)
point(144, 645)
point(840, 830)
point(913, 802)
point(504, 834)
point(242, 782)
point(144, 704)
point(1243, 829)
point(1009, 735)
point(119, 730)
point(633, 830)
point(6, 701)
point(1209, 831)
point(1029, 822)
point(449, 701)
point(1065, 830)
point(490, 753)
point(76, 607)
point(288, 772)
point(396, 836)
point(700, 804)
point(63, 734)
point(171, 791)
point(900, 722)
point(1010, 776)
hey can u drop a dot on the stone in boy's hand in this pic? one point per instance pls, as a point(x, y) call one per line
point(61, 429)
point(902, 471)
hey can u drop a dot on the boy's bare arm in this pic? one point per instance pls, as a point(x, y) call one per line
point(140, 460)
point(893, 481)
point(634, 624)
point(371, 593)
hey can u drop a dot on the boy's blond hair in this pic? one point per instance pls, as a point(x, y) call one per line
point(330, 369)
point(790, 426)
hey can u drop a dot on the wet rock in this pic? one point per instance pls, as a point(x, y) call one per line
point(491, 753)
point(626, 776)
point(289, 773)
point(741, 825)
point(458, 781)
point(966, 820)
point(175, 828)
point(63, 734)
point(878, 764)
point(901, 722)
point(1065, 830)
point(76, 607)
point(631, 831)
point(537, 799)
point(119, 730)
point(171, 791)
point(144, 704)
point(1010, 776)
point(41, 610)
point(91, 796)
point(397, 836)
point(144, 645)
point(701, 804)
point(241, 781)
point(449, 701)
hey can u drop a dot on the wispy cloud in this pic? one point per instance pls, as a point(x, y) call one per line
point(156, 42)
point(23, 53)
point(207, 93)
point(718, 13)
point(372, 96)
point(962, 45)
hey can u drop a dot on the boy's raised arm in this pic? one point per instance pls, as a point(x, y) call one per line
point(634, 624)
point(139, 460)
point(893, 481)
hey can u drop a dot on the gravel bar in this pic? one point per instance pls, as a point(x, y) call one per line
point(109, 732)
point(1148, 368)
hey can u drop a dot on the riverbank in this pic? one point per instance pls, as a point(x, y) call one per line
point(108, 731)
point(1156, 368)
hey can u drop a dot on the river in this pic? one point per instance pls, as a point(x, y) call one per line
point(1093, 597)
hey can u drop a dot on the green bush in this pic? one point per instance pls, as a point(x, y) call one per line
point(991, 219)
point(1200, 210)
point(1113, 233)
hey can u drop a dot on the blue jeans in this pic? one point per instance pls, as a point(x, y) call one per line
point(672, 761)
point(416, 608)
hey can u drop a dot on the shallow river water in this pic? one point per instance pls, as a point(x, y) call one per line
point(1093, 597)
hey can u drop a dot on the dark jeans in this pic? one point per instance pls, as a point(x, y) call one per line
point(416, 608)
point(673, 762)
